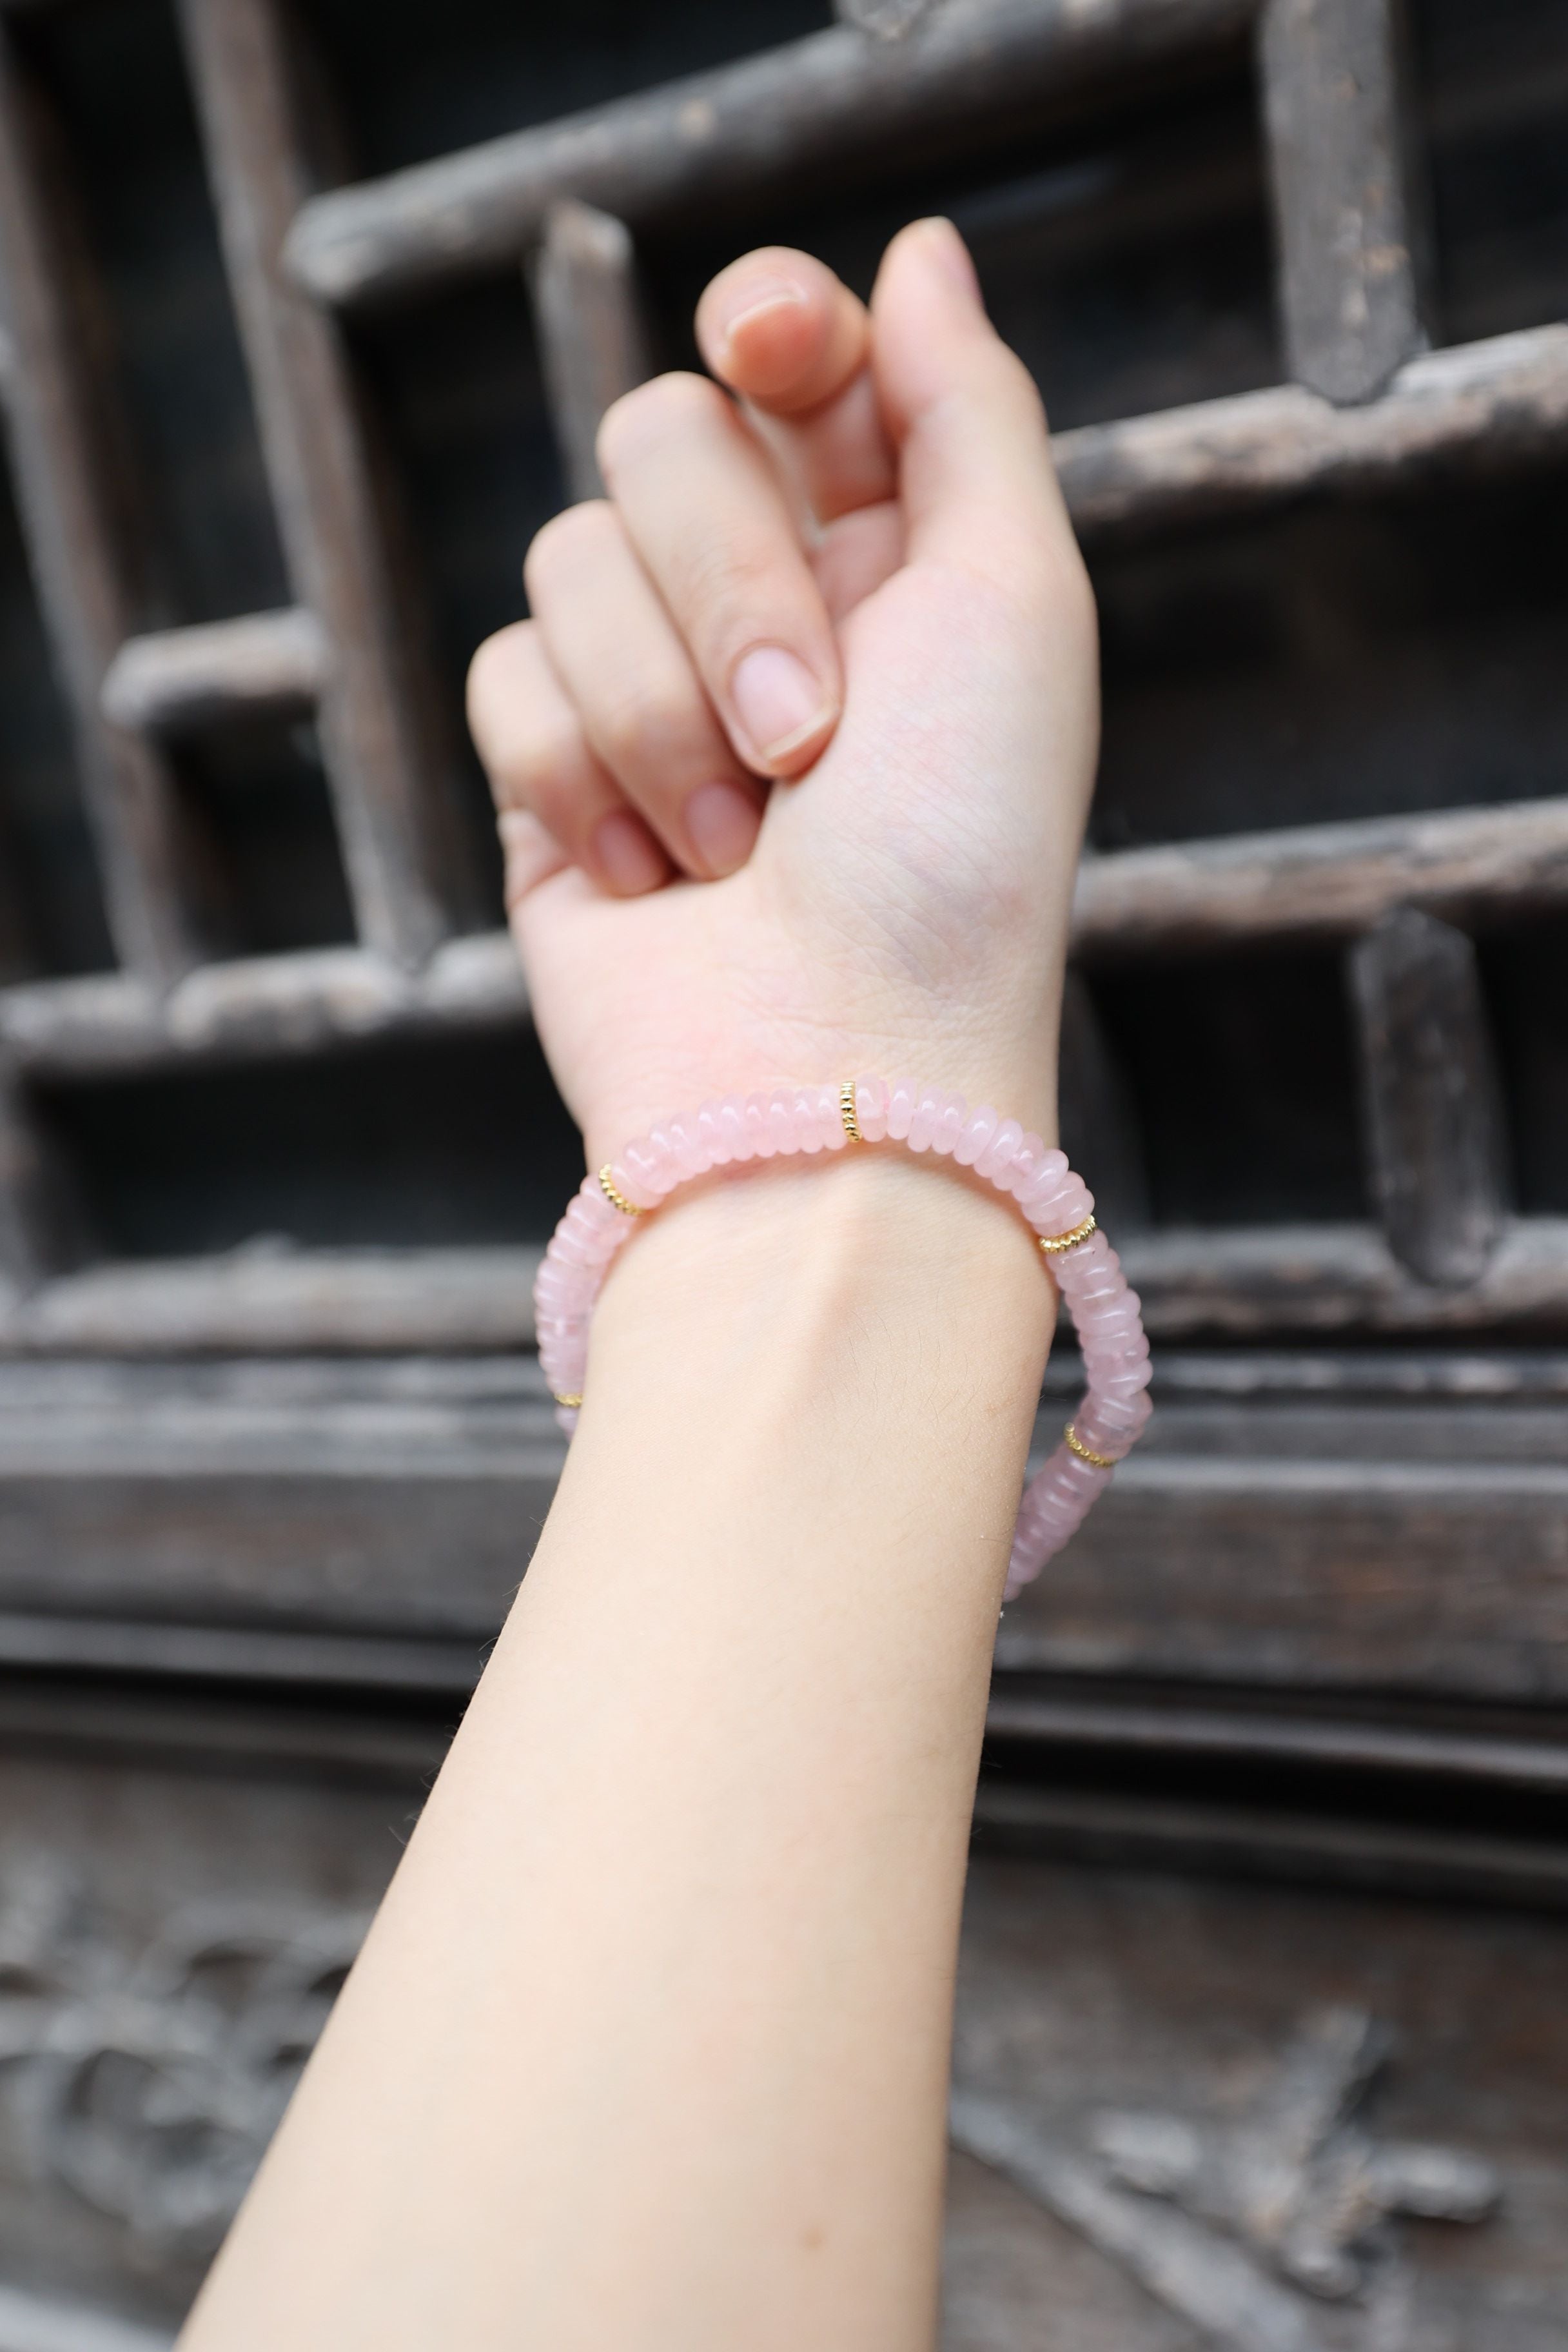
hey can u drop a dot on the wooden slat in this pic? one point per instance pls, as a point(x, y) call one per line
point(388, 768)
point(1367, 1548)
point(281, 1302)
point(175, 681)
point(1250, 1283)
point(1433, 1105)
point(1329, 882)
point(1081, 1720)
point(1503, 401)
point(830, 102)
point(74, 479)
point(259, 1007)
point(1321, 881)
point(1333, 108)
point(592, 338)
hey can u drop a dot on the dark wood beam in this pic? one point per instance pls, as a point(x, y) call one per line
point(1498, 404)
point(387, 762)
point(174, 682)
point(256, 1007)
point(75, 476)
point(1320, 881)
point(1432, 1102)
point(1333, 108)
point(591, 338)
point(790, 115)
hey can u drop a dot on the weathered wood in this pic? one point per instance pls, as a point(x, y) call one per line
point(1431, 1099)
point(176, 681)
point(1219, 1840)
point(1251, 1281)
point(591, 338)
point(1320, 881)
point(283, 1300)
point(1098, 1119)
point(74, 477)
point(383, 742)
point(787, 117)
point(261, 1006)
point(1085, 1722)
point(1302, 882)
point(1500, 403)
point(1409, 1549)
point(1333, 108)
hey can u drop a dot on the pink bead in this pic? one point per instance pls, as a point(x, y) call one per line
point(732, 1125)
point(871, 1108)
point(949, 1127)
point(670, 1139)
point(759, 1128)
point(1035, 1169)
point(902, 1096)
point(625, 1180)
point(830, 1118)
point(999, 1152)
point(928, 1110)
point(781, 1123)
point(653, 1171)
point(978, 1129)
point(710, 1139)
point(807, 1119)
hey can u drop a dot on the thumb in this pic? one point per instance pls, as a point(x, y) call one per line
point(974, 462)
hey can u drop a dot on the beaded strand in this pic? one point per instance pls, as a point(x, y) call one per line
point(1056, 1202)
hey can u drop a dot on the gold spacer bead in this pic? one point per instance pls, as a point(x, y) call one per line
point(570, 1403)
point(1085, 1453)
point(846, 1111)
point(614, 1195)
point(1052, 1242)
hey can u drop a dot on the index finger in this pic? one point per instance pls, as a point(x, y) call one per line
point(791, 338)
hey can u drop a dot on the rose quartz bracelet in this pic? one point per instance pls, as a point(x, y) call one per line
point(867, 1110)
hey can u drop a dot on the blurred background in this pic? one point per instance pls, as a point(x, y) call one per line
point(308, 312)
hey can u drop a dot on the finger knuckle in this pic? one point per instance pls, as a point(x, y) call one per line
point(561, 548)
point(648, 728)
point(649, 416)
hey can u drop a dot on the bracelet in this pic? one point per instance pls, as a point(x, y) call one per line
point(1056, 1203)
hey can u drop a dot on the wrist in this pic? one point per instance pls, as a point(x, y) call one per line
point(793, 1272)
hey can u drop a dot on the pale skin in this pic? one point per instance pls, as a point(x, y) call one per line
point(646, 2050)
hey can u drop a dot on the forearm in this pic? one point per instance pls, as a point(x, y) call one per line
point(648, 2045)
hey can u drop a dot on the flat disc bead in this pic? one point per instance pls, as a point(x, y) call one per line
point(759, 1128)
point(928, 1110)
point(999, 1153)
point(870, 1109)
point(902, 1096)
point(978, 1129)
point(949, 1127)
point(830, 1117)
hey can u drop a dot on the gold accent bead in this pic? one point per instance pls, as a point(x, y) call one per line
point(846, 1111)
point(614, 1195)
point(1052, 1242)
point(570, 1403)
point(1086, 1453)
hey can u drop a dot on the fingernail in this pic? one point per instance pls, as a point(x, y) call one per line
point(721, 820)
point(755, 300)
point(626, 855)
point(778, 703)
point(948, 249)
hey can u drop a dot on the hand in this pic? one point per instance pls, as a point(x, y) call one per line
point(793, 759)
